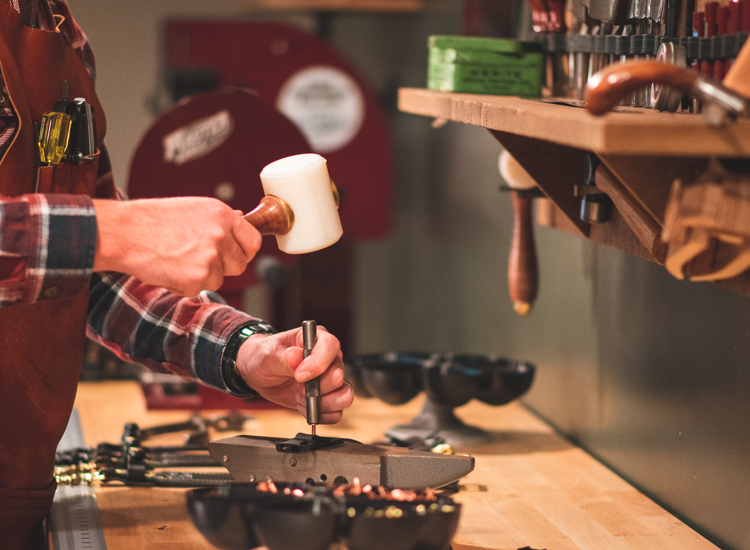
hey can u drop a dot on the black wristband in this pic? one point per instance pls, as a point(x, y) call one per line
point(234, 382)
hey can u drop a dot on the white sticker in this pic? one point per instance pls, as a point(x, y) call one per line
point(198, 138)
point(326, 104)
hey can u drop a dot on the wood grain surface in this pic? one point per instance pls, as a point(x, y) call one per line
point(530, 486)
point(628, 131)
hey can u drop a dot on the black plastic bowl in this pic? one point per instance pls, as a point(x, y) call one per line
point(451, 383)
point(440, 526)
point(223, 514)
point(394, 378)
point(503, 380)
point(308, 525)
point(369, 532)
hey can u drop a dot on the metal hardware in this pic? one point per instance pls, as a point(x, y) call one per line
point(596, 206)
point(312, 387)
point(665, 98)
point(304, 443)
point(253, 457)
point(74, 520)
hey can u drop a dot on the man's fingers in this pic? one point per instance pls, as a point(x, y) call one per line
point(325, 418)
point(326, 353)
point(334, 401)
point(248, 238)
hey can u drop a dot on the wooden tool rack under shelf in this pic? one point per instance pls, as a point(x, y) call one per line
point(645, 149)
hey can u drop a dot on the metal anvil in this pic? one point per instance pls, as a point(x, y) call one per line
point(306, 457)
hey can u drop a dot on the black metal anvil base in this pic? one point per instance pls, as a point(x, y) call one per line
point(252, 458)
point(439, 421)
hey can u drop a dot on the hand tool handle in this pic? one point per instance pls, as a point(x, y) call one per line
point(272, 216)
point(556, 16)
point(540, 15)
point(710, 10)
point(638, 219)
point(607, 88)
point(312, 387)
point(522, 267)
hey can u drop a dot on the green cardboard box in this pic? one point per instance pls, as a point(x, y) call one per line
point(485, 79)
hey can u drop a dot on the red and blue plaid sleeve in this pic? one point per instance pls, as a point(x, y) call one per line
point(165, 332)
point(47, 246)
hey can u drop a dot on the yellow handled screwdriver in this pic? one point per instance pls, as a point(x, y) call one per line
point(312, 387)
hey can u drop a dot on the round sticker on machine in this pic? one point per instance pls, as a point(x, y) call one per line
point(326, 104)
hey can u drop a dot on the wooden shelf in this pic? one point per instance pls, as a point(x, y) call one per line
point(342, 5)
point(643, 150)
point(630, 131)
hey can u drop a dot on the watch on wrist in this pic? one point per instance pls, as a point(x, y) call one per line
point(233, 380)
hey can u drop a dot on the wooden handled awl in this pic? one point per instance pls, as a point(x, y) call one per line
point(522, 265)
point(300, 206)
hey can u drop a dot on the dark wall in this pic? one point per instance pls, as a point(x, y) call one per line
point(670, 391)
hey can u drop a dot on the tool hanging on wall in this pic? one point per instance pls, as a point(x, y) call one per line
point(523, 273)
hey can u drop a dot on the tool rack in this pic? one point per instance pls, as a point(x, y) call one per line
point(644, 149)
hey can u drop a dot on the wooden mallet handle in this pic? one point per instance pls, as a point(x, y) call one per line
point(272, 216)
point(522, 267)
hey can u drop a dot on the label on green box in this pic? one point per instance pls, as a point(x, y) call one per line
point(484, 79)
point(477, 57)
point(480, 43)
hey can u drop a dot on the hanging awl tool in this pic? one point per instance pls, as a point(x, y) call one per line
point(312, 387)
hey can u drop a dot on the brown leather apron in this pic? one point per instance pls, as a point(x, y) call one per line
point(41, 344)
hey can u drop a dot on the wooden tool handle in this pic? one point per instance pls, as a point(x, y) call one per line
point(638, 219)
point(522, 267)
point(272, 216)
point(607, 88)
point(556, 17)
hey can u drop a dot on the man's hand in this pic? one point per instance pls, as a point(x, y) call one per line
point(273, 366)
point(185, 244)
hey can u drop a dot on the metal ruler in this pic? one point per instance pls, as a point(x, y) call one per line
point(75, 522)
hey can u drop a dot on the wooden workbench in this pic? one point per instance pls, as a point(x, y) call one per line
point(530, 486)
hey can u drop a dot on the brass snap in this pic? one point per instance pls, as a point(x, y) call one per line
point(51, 293)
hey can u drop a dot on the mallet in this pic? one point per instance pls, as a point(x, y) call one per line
point(300, 206)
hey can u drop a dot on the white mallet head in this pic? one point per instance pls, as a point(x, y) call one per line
point(300, 206)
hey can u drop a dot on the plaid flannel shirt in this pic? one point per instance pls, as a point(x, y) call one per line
point(47, 246)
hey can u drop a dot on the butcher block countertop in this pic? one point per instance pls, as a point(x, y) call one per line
point(530, 488)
